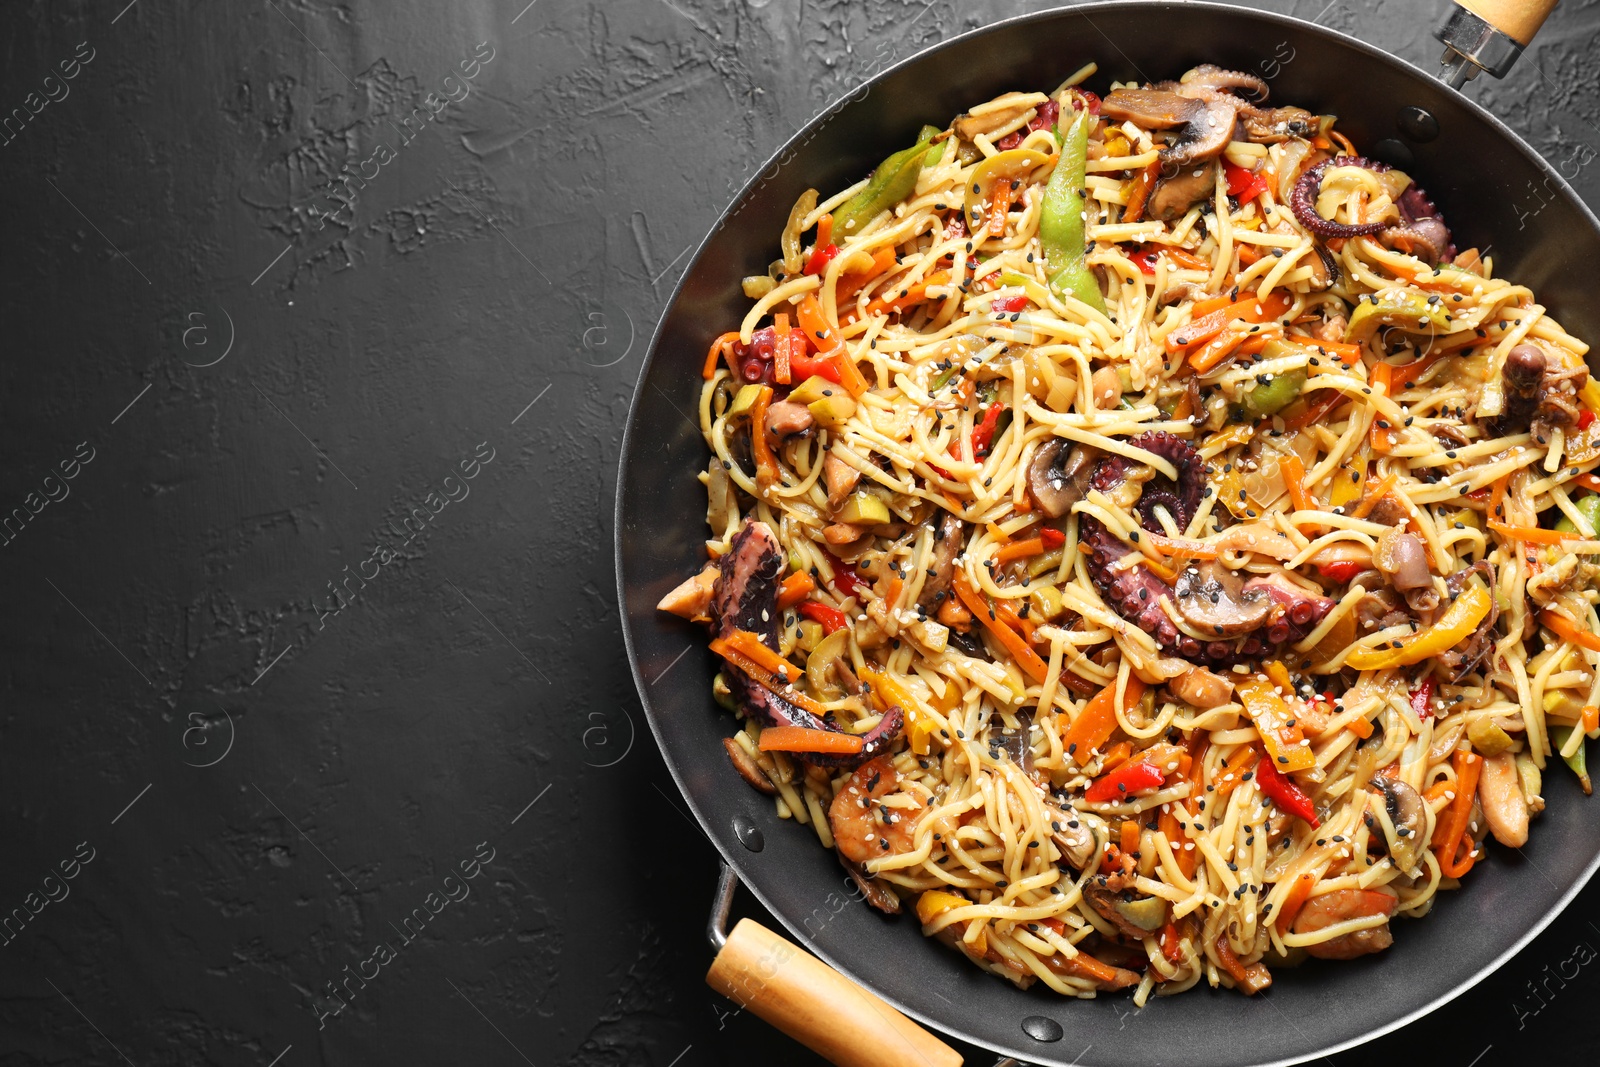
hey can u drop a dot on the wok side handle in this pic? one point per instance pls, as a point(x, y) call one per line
point(1488, 35)
point(817, 1006)
point(1517, 19)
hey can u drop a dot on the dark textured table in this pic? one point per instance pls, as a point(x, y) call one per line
point(322, 319)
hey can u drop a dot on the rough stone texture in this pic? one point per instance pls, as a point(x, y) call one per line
point(307, 766)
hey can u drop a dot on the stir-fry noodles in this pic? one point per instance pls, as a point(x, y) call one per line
point(1142, 544)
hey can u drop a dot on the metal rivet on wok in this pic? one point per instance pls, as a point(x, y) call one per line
point(748, 834)
point(1393, 152)
point(1041, 1029)
point(1417, 124)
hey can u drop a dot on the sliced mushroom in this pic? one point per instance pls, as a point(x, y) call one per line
point(1278, 124)
point(1175, 195)
point(840, 478)
point(1015, 743)
point(1133, 914)
point(876, 893)
point(1011, 109)
point(1202, 128)
point(747, 767)
point(1504, 805)
point(948, 540)
point(1199, 688)
point(1406, 812)
point(1214, 601)
point(1058, 476)
point(1073, 836)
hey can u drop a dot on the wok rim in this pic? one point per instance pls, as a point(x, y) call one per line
point(633, 436)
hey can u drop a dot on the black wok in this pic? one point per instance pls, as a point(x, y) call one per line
point(1492, 188)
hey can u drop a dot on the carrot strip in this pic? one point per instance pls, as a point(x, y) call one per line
point(1205, 307)
point(1026, 658)
point(1315, 412)
point(1299, 893)
point(829, 344)
point(1098, 719)
point(749, 646)
point(1360, 726)
point(1588, 481)
point(766, 463)
point(1143, 182)
point(1589, 718)
point(853, 282)
point(1130, 836)
point(721, 345)
point(1537, 535)
point(1233, 769)
point(1033, 546)
point(1084, 965)
point(780, 348)
point(1379, 491)
point(912, 294)
point(767, 681)
point(1347, 354)
point(1567, 630)
point(795, 588)
point(803, 739)
point(1294, 476)
point(1497, 499)
point(1447, 839)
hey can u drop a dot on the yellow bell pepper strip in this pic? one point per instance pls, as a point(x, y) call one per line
point(795, 588)
point(1448, 834)
point(1026, 658)
point(935, 902)
point(1285, 744)
point(829, 346)
point(891, 182)
point(1062, 232)
point(1290, 798)
point(804, 739)
point(1406, 309)
point(1459, 619)
point(750, 646)
point(1098, 719)
point(886, 692)
point(1567, 630)
point(766, 462)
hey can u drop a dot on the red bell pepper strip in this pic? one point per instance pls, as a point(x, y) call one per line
point(832, 619)
point(1007, 304)
point(1145, 259)
point(1340, 570)
point(1243, 185)
point(825, 249)
point(983, 433)
point(1126, 780)
point(846, 580)
point(803, 367)
point(1422, 699)
point(1051, 538)
point(1584, 419)
point(1290, 798)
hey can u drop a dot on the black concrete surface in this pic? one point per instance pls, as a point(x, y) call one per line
point(317, 741)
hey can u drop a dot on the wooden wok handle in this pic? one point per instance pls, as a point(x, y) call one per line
point(1517, 19)
point(817, 1006)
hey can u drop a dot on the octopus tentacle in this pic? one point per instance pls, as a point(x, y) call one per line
point(1303, 199)
point(1137, 594)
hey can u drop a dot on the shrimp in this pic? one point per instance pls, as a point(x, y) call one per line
point(864, 826)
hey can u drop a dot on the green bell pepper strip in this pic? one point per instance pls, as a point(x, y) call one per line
point(1272, 397)
point(891, 183)
point(1589, 508)
point(1061, 218)
point(1408, 310)
point(1578, 761)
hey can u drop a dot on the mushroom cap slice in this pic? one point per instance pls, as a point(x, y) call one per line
point(1215, 602)
point(1058, 476)
point(1406, 812)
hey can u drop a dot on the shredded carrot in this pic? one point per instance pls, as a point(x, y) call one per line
point(1449, 836)
point(802, 739)
point(1084, 965)
point(997, 533)
point(1567, 630)
point(1230, 960)
point(1033, 546)
point(1171, 943)
point(1347, 354)
point(764, 678)
point(1590, 718)
point(1026, 658)
point(1184, 258)
point(829, 345)
point(1248, 255)
point(1299, 893)
point(1497, 499)
point(780, 348)
point(1537, 535)
point(1349, 149)
point(1370, 501)
point(1400, 377)
point(766, 463)
point(911, 294)
point(1098, 719)
point(1223, 345)
point(1360, 727)
point(1294, 476)
point(1008, 615)
point(1201, 308)
point(853, 282)
point(1130, 835)
point(795, 588)
point(1233, 769)
point(1143, 182)
point(750, 646)
point(1178, 546)
point(1383, 436)
point(721, 345)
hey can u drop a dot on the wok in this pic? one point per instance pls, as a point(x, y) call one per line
point(1491, 187)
